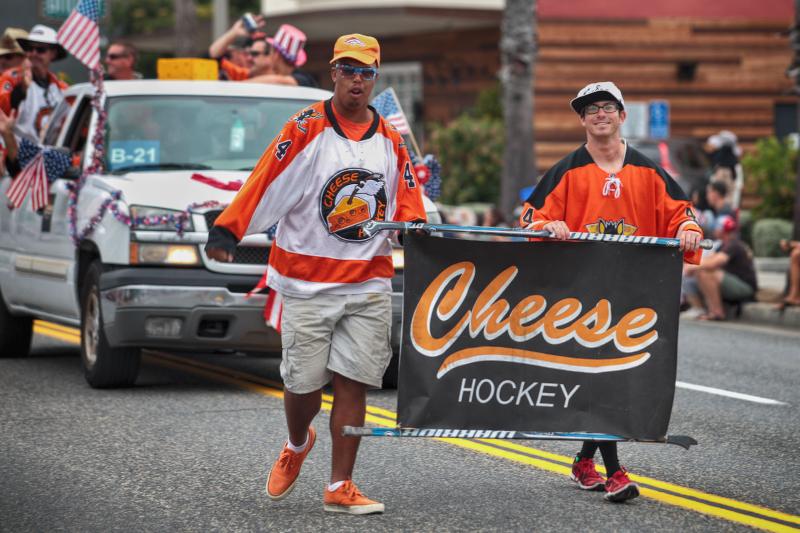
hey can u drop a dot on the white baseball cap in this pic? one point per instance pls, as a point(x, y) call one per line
point(594, 92)
point(41, 34)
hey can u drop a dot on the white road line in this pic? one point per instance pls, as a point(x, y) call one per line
point(729, 394)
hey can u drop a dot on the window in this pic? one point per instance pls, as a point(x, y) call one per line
point(406, 79)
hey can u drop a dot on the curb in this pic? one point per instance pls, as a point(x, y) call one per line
point(768, 313)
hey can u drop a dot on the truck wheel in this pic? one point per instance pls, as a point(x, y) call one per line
point(15, 333)
point(103, 366)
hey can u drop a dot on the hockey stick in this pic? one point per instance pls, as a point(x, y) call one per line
point(350, 431)
point(372, 227)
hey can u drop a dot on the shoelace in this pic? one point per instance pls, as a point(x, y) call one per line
point(288, 459)
point(352, 491)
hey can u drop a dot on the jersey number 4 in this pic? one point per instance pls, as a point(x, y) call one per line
point(409, 177)
point(281, 149)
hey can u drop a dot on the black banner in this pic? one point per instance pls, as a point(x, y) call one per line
point(544, 336)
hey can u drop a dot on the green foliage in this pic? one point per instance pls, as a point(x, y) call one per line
point(771, 172)
point(489, 103)
point(767, 234)
point(470, 150)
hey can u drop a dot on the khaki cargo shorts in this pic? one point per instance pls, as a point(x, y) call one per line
point(348, 334)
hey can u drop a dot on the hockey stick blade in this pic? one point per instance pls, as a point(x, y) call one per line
point(350, 431)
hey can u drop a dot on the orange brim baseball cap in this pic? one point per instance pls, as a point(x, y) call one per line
point(362, 48)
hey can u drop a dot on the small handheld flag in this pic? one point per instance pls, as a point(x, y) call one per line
point(40, 167)
point(80, 33)
point(387, 105)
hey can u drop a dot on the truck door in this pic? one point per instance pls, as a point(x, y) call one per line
point(50, 253)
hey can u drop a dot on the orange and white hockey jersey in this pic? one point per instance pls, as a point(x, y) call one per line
point(321, 186)
point(641, 199)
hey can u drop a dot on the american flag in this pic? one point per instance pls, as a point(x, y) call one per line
point(273, 307)
point(80, 33)
point(40, 166)
point(387, 105)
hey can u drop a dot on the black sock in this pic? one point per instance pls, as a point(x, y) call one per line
point(588, 450)
point(609, 452)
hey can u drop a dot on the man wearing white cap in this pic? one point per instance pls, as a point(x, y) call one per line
point(39, 91)
point(606, 186)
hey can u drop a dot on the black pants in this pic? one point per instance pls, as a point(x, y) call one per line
point(607, 449)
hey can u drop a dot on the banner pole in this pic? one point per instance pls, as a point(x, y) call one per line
point(373, 227)
point(350, 431)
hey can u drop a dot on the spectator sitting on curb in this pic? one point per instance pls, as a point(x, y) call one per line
point(792, 297)
point(121, 61)
point(727, 274)
point(716, 192)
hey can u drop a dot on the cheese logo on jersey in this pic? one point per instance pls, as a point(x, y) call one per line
point(351, 197)
point(611, 227)
point(303, 117)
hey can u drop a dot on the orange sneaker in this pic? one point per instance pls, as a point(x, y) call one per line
point(348, 499)
point(284, 472)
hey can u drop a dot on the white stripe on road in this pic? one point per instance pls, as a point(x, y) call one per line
point(729, 394)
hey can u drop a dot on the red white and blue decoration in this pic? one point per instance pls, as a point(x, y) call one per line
point(41, 166)
point(80, 33)
point(387, 105)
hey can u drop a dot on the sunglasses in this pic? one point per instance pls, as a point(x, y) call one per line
point(114, 57)
point(349, 71)
point(256, 53)
point(38, 49)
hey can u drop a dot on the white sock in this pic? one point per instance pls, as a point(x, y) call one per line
point(332, 487)
point(297, 449)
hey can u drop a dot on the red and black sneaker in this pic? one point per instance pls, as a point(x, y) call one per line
point(585, 474)
point(619, 487)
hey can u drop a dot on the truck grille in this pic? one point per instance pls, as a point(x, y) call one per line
point(244, 255)
point(251, 255)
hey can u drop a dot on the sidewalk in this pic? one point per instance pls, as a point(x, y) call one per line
point(771, 272)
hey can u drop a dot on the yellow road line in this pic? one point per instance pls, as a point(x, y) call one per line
point(685, 497)
point(58, 333)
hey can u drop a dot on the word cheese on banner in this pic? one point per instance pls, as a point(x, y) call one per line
point(544, 336)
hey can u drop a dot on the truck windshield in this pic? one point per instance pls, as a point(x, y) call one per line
point(200, 132)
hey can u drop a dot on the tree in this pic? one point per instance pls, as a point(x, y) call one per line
point(185, 27)
point(517, 59)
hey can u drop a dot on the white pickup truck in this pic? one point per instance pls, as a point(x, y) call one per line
point(171, 146)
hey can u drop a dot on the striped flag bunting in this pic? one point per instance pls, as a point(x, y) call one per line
point(40, 166)
point(80, 33)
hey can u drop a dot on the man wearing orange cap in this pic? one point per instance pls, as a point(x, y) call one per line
point(334, 165)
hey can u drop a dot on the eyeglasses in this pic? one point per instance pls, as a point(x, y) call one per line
point(593, 109)
point(38, 49)
point(349, 71)
point(114, 57)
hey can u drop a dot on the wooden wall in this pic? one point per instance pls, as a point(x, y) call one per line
point(739, 72)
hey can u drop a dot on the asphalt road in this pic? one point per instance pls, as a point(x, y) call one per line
point(188, 449)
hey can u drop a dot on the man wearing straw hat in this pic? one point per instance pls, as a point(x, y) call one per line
point(606, 186)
